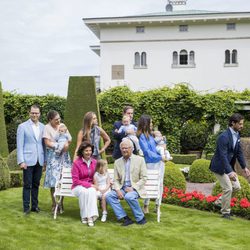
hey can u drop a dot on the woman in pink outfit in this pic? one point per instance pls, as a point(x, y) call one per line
point(83, 187)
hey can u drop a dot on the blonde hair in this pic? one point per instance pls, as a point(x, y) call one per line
point(100, 165)
point(87, 125)
point(125, 117)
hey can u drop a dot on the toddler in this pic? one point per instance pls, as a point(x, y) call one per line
point(161, 145)
point(103, 183)
point(61, 138)
point(127, 126)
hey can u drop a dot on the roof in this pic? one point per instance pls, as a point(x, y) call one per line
point(174, 17)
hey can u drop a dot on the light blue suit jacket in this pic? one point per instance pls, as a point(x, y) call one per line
point(29, 149)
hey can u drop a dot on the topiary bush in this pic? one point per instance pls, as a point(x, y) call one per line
point(16, 178)
point(4, 175)
point(173, 177)
point(194, 135)
point(200, 172)
point(243, 193)
point(209, 156)
point(184, 158)
point(12, 161)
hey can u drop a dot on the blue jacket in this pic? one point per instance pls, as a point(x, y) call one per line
point(148, 147)
point(118, 137)
point(29, 149)
point(225, 155)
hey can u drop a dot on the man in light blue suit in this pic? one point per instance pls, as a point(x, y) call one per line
point(31, 157)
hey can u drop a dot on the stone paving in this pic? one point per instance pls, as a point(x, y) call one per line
point(205, 188)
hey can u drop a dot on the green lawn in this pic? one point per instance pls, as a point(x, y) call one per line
point(179, 228)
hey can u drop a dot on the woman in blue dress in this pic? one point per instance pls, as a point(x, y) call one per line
point(54, 161)
point(152, 158)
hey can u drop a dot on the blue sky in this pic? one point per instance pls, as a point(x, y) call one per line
point(43, 42)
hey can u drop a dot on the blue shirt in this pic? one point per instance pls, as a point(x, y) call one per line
point(235, 135)
point(148, 146)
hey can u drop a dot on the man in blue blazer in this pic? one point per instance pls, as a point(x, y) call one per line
point(31, 157)
point(129, 111)
point(228, 150)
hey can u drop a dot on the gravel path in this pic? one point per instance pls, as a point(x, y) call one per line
point(205, 188)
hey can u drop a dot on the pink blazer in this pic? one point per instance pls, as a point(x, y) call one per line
point(81, 174)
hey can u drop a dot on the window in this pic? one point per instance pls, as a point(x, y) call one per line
point(140, 29)
point(231, 59)
point(231, 26)
point(191, 58)
point(227, 56)
point(183, 57)
point(183, 28)
point(140, 60)
point(137, 59)
point(234, 56)
point(117, 72)
point(143, 59)
point(175, 58)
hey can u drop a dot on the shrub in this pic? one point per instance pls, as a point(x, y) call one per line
point(211, 143)
point(199, 172)
point(209, 156)
point(12, 161)
point(16, 178)
point(184, 158)
point(243, 193)
point(3, 145)
point(194, 135)
point(110, 159)
point(4, 175)
point(173, 177)
point(81, 99)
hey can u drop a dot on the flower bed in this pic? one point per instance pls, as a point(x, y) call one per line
point(199, 201)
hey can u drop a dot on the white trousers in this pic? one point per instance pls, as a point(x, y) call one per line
point(87, 201)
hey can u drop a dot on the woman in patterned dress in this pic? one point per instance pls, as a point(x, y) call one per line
point(54, 161)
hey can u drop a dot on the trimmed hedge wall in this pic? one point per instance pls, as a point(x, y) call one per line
point(187, 159)
point(3, 137)
point(81, 99)
point(200, 172)
point(16, 178)
point(12, 161)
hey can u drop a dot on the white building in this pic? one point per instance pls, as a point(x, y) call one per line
point(208, 50)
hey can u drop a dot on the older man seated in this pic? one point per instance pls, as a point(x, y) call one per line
point(130, 175)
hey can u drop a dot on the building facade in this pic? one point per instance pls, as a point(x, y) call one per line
point(208, 50)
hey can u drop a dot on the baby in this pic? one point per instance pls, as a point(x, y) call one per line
point(127, 126)
point(161, 145)
point(61, 138)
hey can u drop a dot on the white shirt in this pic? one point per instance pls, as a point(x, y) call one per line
point(36, 129)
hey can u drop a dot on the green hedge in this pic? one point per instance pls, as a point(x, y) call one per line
point(209, 156)
point(200, 172)
point(16, 178)
point(243, 193)
point(184, 158)
point(173, 177)
point(3, 144)
point(4, 175)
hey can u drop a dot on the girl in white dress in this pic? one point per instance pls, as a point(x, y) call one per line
point(103, 183)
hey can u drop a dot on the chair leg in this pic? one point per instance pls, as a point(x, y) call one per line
point(57, 205)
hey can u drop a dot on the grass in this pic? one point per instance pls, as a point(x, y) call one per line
point(180, 228)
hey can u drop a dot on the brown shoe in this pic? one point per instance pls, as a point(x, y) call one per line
point(145, 209)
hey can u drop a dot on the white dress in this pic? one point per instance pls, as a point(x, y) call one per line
point(101, 183)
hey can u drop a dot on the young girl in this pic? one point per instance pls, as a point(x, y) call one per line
point(102, 182)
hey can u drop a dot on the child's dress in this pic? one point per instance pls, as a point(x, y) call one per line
point(102, 183)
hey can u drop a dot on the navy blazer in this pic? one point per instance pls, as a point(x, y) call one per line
point(118, 137)
point(226, 154)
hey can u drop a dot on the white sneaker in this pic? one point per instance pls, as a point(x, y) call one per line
point(84, 221)
point(104, 217)
point(90, 222)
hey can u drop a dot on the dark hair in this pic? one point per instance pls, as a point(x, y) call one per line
point(51, 115)
point(235, 118)
point(35, 106)
point(144, 125)
point(126, 108)
point(83, 146)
